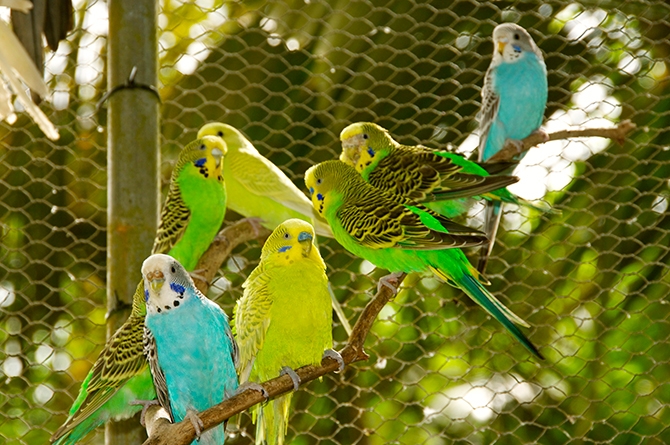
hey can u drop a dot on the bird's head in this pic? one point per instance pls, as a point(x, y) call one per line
point(362, 143)
point(291, 241)
point(234, 139)
point(206, 155)
point(511, 42)
point(165, 283)
point(326, 178)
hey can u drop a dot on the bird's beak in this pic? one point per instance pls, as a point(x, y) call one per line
point(156, 280)
point(501, 46)
point(305, 240)
point(351, 149)
point(217, 154)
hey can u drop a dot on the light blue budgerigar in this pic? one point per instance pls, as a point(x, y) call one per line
point(189, 345)
point(514, 97)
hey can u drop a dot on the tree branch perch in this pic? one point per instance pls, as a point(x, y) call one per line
point(617, 133)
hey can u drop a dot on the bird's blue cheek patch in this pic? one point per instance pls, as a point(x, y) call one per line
point(371, 152)
point(283, 249)
point(311, 190)
point(200, 162)
point(178, 288)
point(146, 295)
point(319, 196)
point(517, 48)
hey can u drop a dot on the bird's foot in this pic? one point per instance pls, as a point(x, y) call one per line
point(543, 134)
point(196, 275)
point(285, 370)
point(256, 225)
point(390, 281)
point(255, 386)
point(197, 423)
point(145, 406)
point(335, 356)
point(517, 146)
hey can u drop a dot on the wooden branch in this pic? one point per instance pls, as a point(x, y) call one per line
point(618, 134)
point(161, 432)
point(227, 239)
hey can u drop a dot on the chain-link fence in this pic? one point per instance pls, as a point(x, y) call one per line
point(591, 279)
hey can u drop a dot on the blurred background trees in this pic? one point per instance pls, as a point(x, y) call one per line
point(592, 279)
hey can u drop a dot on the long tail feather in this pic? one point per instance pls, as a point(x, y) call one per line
point(492, 217)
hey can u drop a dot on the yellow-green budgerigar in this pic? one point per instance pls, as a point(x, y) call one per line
point(399, 235)
point(441, 180)
point(192, 216)
point(283, 321)
point(258, 188)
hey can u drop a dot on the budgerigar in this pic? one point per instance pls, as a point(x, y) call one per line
point(396, 234)
point(514, 97)
point(189, 346)
point(439, 179)
point(191, 217)
point(257, 187)
point(283, 319)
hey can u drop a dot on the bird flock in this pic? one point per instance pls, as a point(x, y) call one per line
point(385, 202)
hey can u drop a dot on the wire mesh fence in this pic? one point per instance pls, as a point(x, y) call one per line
point(591, 279)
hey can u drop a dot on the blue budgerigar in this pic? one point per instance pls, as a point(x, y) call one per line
point(514, 97)
point(189, 345)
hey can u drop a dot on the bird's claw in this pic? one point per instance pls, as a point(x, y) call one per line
point(390, 281)
point(195, 275)
point(256, 225)
point(196, 421)
point(543, 134)
point(255, 386)
point(285, 370)
point(335, 356)
point(145, 406)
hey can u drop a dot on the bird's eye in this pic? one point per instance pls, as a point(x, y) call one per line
point(203, 146)
point(173, 269)
point(220, 134)
point(516, 37)
point(365, 136)
point(287, 236)
point(319, 181)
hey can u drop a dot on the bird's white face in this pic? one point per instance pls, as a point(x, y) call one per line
point(165, 283)
point(511, 42)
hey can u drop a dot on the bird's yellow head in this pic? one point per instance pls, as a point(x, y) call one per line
point(511, 41)
point(327, 180)
point(206, 155)
point(291, 241)
point(362, 143)
point(233, 138)
point(165, 283)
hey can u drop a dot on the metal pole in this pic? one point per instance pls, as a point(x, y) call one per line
point(133, 166)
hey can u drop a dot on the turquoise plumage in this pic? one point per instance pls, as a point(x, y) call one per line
point(514, 97)
point(189, 345)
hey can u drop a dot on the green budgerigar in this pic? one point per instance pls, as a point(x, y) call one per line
point(192, 216)
point(283, 320)
point(399, 235)
point(441, 180)
point(257, 187)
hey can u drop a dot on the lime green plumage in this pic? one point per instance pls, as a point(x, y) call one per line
point(283, 319)
point(257, 187)
point(191, 217)
point(401, 236)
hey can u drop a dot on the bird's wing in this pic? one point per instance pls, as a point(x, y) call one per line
point(489, 110)
point(252, 320)
point(380, 223)
point(262, 178)
point(121, 359)
point(174, 220)
point(160, 384)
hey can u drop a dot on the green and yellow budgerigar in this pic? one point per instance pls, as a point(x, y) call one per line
point(441, 180)
point(191, 218)
point(283, 320)
point(257, 187)
point(399, 235)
